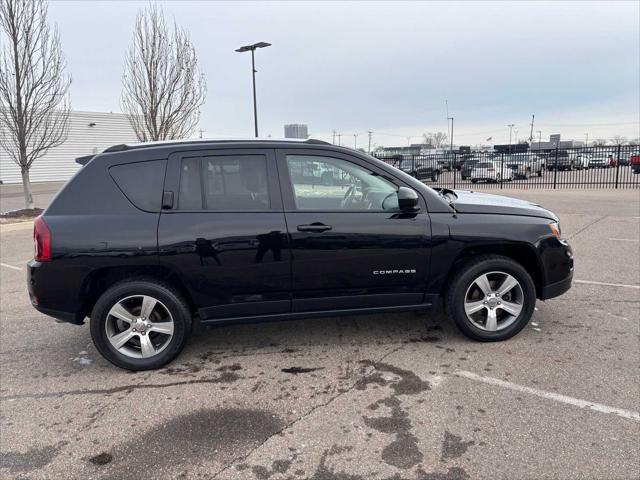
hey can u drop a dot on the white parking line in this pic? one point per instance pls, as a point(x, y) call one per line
point(10, 266)
point(576, 402)
point(623, 285)
point(624, 240)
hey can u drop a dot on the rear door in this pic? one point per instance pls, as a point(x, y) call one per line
point(351, 247)
point(225, 232)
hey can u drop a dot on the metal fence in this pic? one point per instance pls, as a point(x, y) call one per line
point(590, 167)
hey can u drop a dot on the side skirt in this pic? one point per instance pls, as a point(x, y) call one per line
point(429, 306)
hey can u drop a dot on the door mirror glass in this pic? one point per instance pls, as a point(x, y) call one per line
point(408, 199)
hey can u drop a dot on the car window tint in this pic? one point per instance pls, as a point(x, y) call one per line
point(484, 165)
point(141, 183)
point(190, 196)
point(325, 183)
point(237, 182)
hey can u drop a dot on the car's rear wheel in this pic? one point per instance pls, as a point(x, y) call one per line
point(491, 298)
point(434, 176)
point(140, 324)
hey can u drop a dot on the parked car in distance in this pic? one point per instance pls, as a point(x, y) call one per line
point(599, 160)
point(422, 169)
point(560, 161)
point(634, 161)
point(446, 162)
point(427, 170)
point(404, 164)
point(149, 239)
point(467, 166)
point(582, 161)
point(491, 171)
point(524, 165)
point(624, 161)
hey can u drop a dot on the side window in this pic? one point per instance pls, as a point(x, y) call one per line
point(141, 182)
point(224, 183)
point(326, 183)
point(237, 182)
point(190, 195)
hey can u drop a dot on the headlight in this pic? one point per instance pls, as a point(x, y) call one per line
point(555, 230)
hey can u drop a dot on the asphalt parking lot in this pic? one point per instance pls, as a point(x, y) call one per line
point(355, 398)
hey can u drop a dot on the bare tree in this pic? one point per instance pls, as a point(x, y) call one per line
point(163, 88)
point(34, 89)
point(435, 139)
point(619, 140)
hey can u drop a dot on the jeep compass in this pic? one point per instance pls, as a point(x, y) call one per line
point(148, 239)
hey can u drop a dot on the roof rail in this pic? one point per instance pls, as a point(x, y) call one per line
point(124, 146)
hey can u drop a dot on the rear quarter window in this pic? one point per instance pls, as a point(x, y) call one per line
point(141, 183)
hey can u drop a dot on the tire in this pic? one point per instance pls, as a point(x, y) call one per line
point(526, 174)
point(462, 289)
point(539, 173)
point(474, 180)
point(170, 304)
point(434, 176)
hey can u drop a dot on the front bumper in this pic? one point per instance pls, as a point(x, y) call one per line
point(556, 289)
point(558, 261)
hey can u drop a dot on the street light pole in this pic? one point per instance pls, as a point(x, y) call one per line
point(369, 149)
point(511, 125)
point(586, 139)
point(252, 49)
point(539, 139)
point(451, 139)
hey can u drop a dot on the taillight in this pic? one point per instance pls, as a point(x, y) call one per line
point(41, 240)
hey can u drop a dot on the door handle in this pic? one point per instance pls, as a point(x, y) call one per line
point(314, 227)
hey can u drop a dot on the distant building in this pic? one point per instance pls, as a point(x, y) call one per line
point(413, 149)
point(422, 149)
point(555, 141)
point(513, 148)
point(89, 133)
point(296, 130)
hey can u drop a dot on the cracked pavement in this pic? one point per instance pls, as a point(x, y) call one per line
point(351, 398)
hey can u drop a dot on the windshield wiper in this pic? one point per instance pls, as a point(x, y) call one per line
point(444, 193)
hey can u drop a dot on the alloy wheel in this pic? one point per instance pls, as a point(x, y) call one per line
point(139, 326)
point(494, 301)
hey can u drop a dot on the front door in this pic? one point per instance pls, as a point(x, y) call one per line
point(225, 234)
point(351, 247)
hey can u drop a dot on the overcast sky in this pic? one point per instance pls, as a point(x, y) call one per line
point(385, 67)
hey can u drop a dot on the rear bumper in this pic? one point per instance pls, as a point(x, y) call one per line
point(43, 294)
point(68, 317)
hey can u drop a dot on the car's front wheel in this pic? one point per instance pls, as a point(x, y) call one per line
point(491, 298)
point(140, 324)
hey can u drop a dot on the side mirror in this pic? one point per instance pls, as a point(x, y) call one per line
point(408, 199)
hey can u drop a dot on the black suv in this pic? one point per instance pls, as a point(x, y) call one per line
point(147, 239)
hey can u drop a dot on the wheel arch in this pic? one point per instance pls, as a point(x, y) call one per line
point(522, 253)
point(98, 281)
